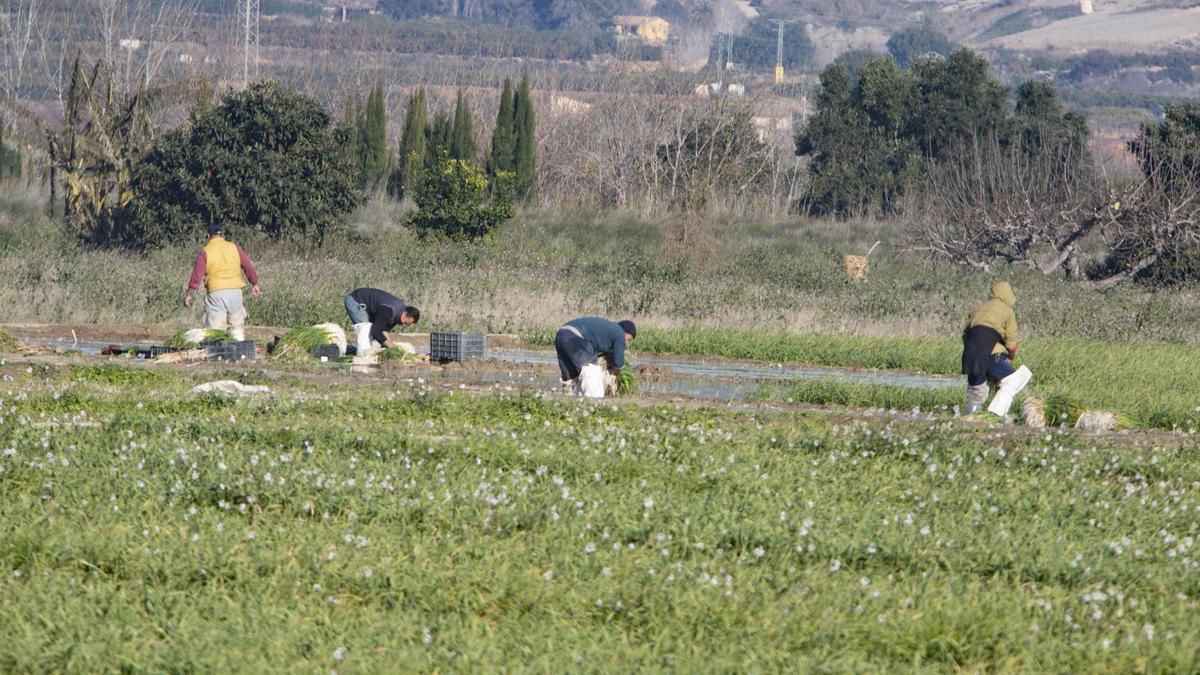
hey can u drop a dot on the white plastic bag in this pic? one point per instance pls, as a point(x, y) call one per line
point(591, 380)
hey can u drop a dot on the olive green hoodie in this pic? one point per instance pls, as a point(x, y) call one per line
point(997, 313)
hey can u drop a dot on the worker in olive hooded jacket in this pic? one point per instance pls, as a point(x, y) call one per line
point(989, 346)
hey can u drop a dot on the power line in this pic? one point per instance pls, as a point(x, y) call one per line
point(780, 23)
point(248, 16)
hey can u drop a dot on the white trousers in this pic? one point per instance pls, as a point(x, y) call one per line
point(224, 310)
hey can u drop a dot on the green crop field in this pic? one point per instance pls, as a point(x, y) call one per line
point(399, 527)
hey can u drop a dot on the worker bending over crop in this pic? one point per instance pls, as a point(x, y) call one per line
point(373, 313)
point(582, 342)
point(220, 265)
point(989, 346)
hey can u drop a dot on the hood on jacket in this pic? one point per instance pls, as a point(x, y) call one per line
point(1003, 292)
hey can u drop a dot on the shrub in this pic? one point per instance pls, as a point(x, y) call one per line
point(267, 159)
point(453, 199)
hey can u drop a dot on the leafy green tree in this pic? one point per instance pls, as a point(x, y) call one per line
point(885, 93)
point(917, 42)
point(836, 141)
point(525, 161)
point(855, 59)
point(957, 99)
point(504, 141)
point(462, 135)
point(453, 199)
point(1043, 126)
point(871, 140)
point(862, 155)
point(412, 146)
point(375, 163)
point(267, 160)
point(1170, 149)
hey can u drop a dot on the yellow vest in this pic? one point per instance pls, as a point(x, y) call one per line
point(224, 266)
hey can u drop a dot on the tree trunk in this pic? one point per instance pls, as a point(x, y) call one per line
point(1123, 276)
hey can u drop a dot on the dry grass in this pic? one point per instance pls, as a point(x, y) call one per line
point(546, 267)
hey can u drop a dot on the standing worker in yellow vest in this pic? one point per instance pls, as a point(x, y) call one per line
point(220, 264)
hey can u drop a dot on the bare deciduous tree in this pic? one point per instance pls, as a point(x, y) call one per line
point(18, 33)
point(994, 205)
point(139, 34)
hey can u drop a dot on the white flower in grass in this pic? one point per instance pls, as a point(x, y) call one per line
point(339, 654)
point(835, 565)
point(759, 552)
point(590, 548)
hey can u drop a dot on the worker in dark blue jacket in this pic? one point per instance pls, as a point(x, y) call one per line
point(582, 341)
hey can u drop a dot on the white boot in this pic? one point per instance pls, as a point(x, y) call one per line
point(362, 339)
point(238, 334)
point(1009, 387)
point(570, 387)
point(976, 397)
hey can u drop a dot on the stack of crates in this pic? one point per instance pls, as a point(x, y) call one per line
point(457, 346)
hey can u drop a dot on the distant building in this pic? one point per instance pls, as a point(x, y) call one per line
point(652, 29)
point(344, 10)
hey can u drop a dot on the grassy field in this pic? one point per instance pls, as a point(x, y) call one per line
point(1153, 382)
point(319, 528)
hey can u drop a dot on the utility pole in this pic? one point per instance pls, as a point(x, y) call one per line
point(249, 11)
point(779, 50)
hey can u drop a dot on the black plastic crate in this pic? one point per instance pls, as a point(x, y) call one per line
point(230, 351)
point(159, 350)
point(329, 352)
point(214, 351)
point(457, 346)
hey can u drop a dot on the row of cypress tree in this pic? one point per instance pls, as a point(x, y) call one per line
point(425, 142)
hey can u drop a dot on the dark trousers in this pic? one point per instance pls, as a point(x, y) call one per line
point(573, 353)
point(998, 368)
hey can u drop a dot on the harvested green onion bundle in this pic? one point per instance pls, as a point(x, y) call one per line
point(299, 343)
point(194, 336)
point(1061, 411)
point(396, 354)
point(627, 381)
